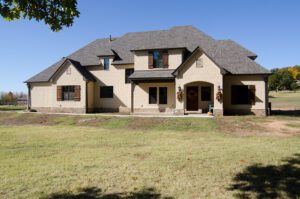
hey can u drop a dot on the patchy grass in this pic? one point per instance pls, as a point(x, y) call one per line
point(12, 108)
point(59, 156)
point(285, 100)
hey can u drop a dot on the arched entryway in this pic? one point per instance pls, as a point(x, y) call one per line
point(198, 97)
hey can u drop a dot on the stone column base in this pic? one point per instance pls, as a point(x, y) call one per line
point(218, 112)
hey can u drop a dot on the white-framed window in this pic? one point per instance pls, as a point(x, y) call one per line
point(106, 63)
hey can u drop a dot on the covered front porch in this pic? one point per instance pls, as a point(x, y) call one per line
point(156, 92)
point(198, 97)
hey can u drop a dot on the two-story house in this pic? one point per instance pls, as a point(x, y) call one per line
point(180, 71)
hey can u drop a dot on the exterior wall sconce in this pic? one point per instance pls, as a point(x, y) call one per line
point(219, 94)
point(180, 94)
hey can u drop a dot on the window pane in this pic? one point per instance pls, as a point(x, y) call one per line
point(163, 95)
point(106, 63)
point(68, 92)
point(206, 93)
point(106, 92)
point(152, 95)
point(239, 94)
point(128, 72)
point(157, 59)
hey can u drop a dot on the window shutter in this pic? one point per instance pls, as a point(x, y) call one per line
point(59, 93)
point(166, 59)
point(251, 94)
point(150, 60)
point(77, 93)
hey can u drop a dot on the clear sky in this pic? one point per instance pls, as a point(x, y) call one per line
point(270, 28)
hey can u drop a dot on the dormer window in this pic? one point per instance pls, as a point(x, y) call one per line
point(106, 63)
point(158, 59)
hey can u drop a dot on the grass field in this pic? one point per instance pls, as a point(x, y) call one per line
point(72, 157)
point(285, 100)
point(12, 108)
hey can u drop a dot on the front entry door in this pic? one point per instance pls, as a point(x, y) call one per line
point(192, 98)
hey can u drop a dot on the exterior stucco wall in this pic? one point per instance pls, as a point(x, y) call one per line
point(43, 95)
point(260, 91)
point(141, 59)
point(189, 73)
point(141, 98)
point(90, 96)
point(115, 77)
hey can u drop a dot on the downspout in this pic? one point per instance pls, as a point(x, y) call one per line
point(28, 97)
point(132, 97)
point(86, 97)
point(266, 96)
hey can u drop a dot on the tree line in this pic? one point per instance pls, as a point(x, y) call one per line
point(284, 78)
point(11, 98)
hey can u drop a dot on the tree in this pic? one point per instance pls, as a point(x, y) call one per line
point(55, 13)
point(281, 79)
point(295, 72)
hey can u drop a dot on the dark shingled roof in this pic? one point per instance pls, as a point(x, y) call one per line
point(152, 74)
point(48, 73)
point(229, 55)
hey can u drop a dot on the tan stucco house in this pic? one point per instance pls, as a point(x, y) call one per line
point(179, 71)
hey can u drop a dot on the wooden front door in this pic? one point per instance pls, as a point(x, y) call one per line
point(192, 98)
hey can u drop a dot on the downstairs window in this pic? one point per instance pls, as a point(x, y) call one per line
point(242, 94)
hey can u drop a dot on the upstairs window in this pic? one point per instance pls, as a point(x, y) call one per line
point(158, 59)
point(128, 72)
point(106, 63)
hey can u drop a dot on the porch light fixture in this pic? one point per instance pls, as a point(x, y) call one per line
point(179, 88)
point(219, 88)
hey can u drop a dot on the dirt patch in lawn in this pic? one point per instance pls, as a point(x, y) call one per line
point(247, 126)
point(282, 128)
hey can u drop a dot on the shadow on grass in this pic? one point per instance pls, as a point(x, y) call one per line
point(293, 113)
point(271, 181)
point(96, 193)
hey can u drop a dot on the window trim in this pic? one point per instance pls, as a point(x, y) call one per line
point(106, 96)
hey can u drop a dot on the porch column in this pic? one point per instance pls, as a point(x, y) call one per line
point(28, 97)
point(132, 96)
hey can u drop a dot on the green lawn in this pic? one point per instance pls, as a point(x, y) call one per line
point(72, 157)
point(12, 108)
point(285, 100)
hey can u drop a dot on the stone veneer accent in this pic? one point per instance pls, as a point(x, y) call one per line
point(59, 110)
point(257, 112)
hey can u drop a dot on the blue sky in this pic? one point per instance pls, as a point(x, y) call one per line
point(269, 28)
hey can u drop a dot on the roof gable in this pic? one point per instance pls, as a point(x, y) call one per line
point(227, 54)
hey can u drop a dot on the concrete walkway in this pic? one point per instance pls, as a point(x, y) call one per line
point(126, 115)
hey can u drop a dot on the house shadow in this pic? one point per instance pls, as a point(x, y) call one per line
point(270, 181)
point(292, 113)
point(96, 193)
